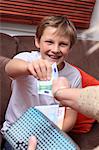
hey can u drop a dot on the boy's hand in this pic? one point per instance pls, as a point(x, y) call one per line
point(40, 69)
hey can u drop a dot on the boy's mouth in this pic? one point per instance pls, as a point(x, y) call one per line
point(55, 57)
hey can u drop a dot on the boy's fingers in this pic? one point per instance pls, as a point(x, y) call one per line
point(49, 70)
point(40, 69)
point(32, 143)
point(31, 70)
point(45, 69)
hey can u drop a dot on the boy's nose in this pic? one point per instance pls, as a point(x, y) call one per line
point(56, 49)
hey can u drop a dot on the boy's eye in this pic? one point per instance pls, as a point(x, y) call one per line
point(49, 42)
point(63, 44)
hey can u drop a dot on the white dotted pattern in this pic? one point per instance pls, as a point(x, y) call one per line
point(33, 122)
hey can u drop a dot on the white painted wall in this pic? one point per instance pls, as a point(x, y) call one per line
point(17, 29)
point(20, 29)
point(93, 32)
point(95, 21)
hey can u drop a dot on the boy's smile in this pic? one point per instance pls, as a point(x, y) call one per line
point(53, 46)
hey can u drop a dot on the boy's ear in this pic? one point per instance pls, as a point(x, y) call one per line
point(37, 43)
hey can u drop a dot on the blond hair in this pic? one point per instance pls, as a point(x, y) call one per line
point(64, 27)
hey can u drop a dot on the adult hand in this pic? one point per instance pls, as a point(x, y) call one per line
point(59, 84)
point(32, 143)
point(64, 94)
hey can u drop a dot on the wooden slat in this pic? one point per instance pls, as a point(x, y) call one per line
point(46, 7)
point(50, 5)
point(43, 6)
point(31, 12)
point(44, 13)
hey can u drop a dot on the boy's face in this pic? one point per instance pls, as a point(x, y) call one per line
point(53, 47)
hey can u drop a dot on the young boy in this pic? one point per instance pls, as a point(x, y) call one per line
point(54, 37)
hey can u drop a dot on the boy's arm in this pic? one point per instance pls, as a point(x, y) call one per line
point(16, 67)
point(40, 68)
point(69, 119)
